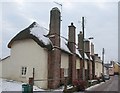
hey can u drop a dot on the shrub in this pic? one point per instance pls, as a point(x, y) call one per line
point(80, 85)
point(75, 82)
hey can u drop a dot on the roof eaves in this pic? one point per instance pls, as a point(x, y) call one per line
point(5, 58)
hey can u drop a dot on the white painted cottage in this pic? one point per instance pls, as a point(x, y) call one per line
point(29, 49)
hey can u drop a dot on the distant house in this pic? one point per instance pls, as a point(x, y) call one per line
point(111, 71)
point(110, 68)
point(116, 68)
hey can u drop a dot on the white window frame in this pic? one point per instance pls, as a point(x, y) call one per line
point(23, 71)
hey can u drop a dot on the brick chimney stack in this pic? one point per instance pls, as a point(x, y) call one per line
point(55, 19)
point(89, 64)
point(92, 49)
point(54, 56)
point(72, 58)
point(80, 47)
point(71, 38)
point(93, 62)
point(80, 41)
point(87, 47)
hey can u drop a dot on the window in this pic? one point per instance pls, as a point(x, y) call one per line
point(65, 72)
point(24, 71)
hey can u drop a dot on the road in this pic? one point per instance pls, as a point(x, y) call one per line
point(111, 85)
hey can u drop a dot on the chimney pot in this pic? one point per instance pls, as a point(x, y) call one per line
point(55, 8)
point(80, 32)
point(96, 54)
point(71, 37)
point(72, 24)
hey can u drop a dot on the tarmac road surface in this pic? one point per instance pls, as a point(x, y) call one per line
point(111, 85)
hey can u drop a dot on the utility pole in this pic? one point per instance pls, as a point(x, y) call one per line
point(103, 52)
point(83, 49)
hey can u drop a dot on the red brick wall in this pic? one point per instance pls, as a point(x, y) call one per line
point(54, 68)
point(54, 56)
point(62, 76)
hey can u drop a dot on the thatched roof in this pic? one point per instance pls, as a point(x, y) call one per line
point(39, 35)
point(35, 32)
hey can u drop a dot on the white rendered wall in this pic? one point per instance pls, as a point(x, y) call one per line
point(29, 54)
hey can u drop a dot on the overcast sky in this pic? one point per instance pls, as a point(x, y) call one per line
point(101, 21)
